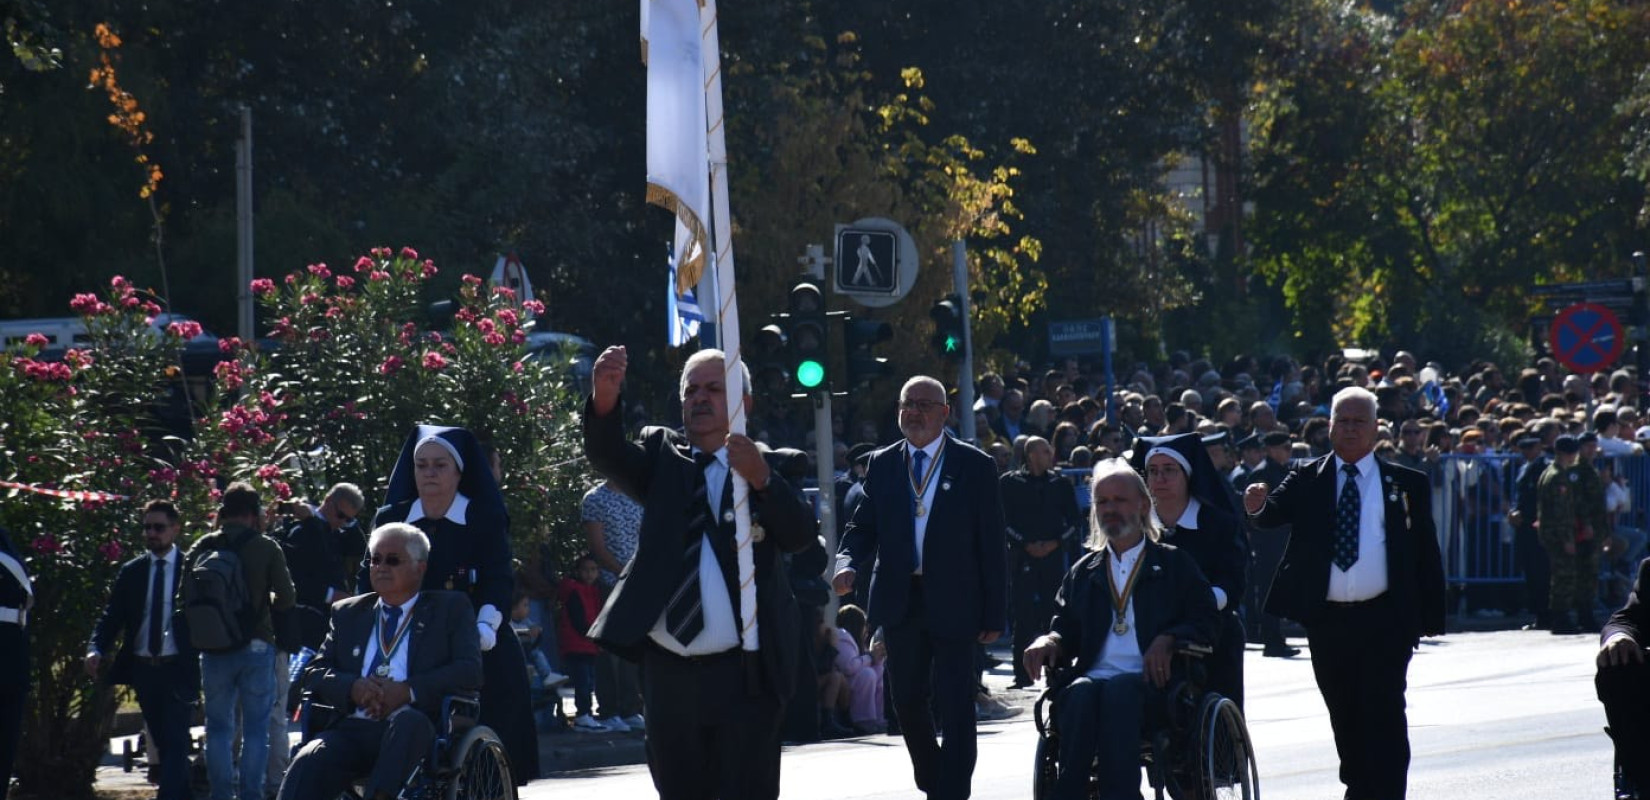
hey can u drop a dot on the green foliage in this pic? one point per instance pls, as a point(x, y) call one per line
point(350, 375)
point(85, 423)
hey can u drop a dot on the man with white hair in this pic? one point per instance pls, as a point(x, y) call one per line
point(1362, 572)
point(1119, 633)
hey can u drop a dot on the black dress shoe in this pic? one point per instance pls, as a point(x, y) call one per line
point(1280, 651)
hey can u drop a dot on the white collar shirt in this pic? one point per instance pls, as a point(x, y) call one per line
point(721, 630)
point(1367, 579)
point(168, 641)
point(1121, 652)
point(931, 464)
point(456, 513)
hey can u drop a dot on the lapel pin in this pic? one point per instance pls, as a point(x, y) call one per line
point(727, 515)
point(946, 485)
point(356, 652)
point(757, 533)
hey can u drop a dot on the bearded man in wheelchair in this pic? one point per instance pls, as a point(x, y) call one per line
point(391, 657)
point(1122, 612)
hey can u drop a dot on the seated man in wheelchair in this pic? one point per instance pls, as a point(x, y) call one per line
point(1120, 614)
point(386, 664)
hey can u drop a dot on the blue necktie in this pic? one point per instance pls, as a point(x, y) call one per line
point(917, 457)
point(392, 616)
point(1348, 512)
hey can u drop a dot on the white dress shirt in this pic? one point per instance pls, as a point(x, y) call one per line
point(919, 525)
point(398, 660)
point(1367, 579)
point(1121, 652)
point(168, 642)
point(721, 631)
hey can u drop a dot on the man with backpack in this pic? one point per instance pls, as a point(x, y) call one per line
point(233, 573)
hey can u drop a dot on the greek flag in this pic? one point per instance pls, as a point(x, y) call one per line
point(1275, 399)
point(682, 312)
point(1436, 398)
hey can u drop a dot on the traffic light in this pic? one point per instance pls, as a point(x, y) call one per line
point(809, 340)
point(859, 336)
point(770, 362)
point(948, 326)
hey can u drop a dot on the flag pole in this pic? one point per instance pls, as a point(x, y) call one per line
point(727, 311)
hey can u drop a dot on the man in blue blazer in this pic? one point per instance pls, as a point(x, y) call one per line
point(155, 657)
point(1363, 573)
point(930, 529)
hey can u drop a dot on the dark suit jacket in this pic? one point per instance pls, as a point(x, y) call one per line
point(443, 651)
point(1170, 597)
point(1633, 619)
point(316, 566)
point(662, 470)
point(1415, 573)
point(123, 615)
point(964, 560)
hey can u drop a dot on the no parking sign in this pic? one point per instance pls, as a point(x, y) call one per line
point(1586, 337)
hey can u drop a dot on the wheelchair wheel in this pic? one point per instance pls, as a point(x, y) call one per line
point(1045, 770)
point(481, 770)
point(1228, 759)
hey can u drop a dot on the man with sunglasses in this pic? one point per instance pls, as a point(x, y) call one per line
point(932, 524)
point(390, 657)
point(316, 548)
point(155, 657)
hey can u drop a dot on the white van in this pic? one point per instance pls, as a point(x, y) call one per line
point(63, 333)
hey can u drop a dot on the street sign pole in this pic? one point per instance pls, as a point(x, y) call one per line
point(1108, 334)
point(823, 464)
point(1641, 330)
point(965, 372)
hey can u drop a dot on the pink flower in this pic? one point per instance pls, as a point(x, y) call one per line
point(267, 400)
point(516, 367)
point(473, 280)
point(111, 550)
point(118, 282)
point(518, 336)
point(269, 472)
point(229, 345)
point(464, 315)
point(263, 286)
point(505, 292)
point(319, 334)
point(390, 366)
point(507, 317)
point(495, 339)
point(533, 307)
point(378, 276)
point(409, 254)
point(428, 269)
point(380, 252)
point(129, 301)
point(48, 545)
point(319, 271)
point(184, 329)
point(308, 298)
point(334, 312)
point(363, 264)
point(345, 281)
point(151, 309)
point(291, 278)
point(282, 329)
point(486, 325)
point(84, 304)
point(163, 475)
point(283, 490)
point(79, 359)
point(36, 340)
point(229, 375)
point(434, 361)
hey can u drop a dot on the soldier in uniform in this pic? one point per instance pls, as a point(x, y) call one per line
point(1527, 549)
point(1570, 518)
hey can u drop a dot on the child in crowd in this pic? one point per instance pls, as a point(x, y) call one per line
point(860, 663)
point(528, 633)
point(580, 600)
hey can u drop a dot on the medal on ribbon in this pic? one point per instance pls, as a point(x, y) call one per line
point(392, 645)
point(1120, 600)
point(918, 490)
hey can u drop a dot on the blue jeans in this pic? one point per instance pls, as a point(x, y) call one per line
point(243, 678)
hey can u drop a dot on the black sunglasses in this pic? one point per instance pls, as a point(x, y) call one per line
point(393, 559)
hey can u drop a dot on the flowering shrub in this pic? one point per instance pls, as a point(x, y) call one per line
point(353, 373)
point(84, 422)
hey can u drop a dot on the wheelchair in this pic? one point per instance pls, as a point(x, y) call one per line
point(1200, 750)
point(466, 762)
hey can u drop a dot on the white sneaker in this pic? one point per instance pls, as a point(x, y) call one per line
point(552, 679)
point(588, 724)
point(615, 725)
point(635, 722)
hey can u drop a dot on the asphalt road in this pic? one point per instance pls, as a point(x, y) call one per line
point(1501, 715)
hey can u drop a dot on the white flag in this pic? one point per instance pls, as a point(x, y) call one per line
point(678, 174)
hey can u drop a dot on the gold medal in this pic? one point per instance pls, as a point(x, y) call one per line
point(1120, 600)
point(383, 670)
point(920, 510)
point(920, 489)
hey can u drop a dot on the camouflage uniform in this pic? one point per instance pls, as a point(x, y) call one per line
point(1566, 497)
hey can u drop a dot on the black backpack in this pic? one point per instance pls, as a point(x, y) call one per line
point(216, 603)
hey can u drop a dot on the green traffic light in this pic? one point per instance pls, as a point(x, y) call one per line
point(809, 374)
point(952, 345)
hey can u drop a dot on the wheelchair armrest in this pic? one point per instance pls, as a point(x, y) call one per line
point(459, 713)
point(1193, 649)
